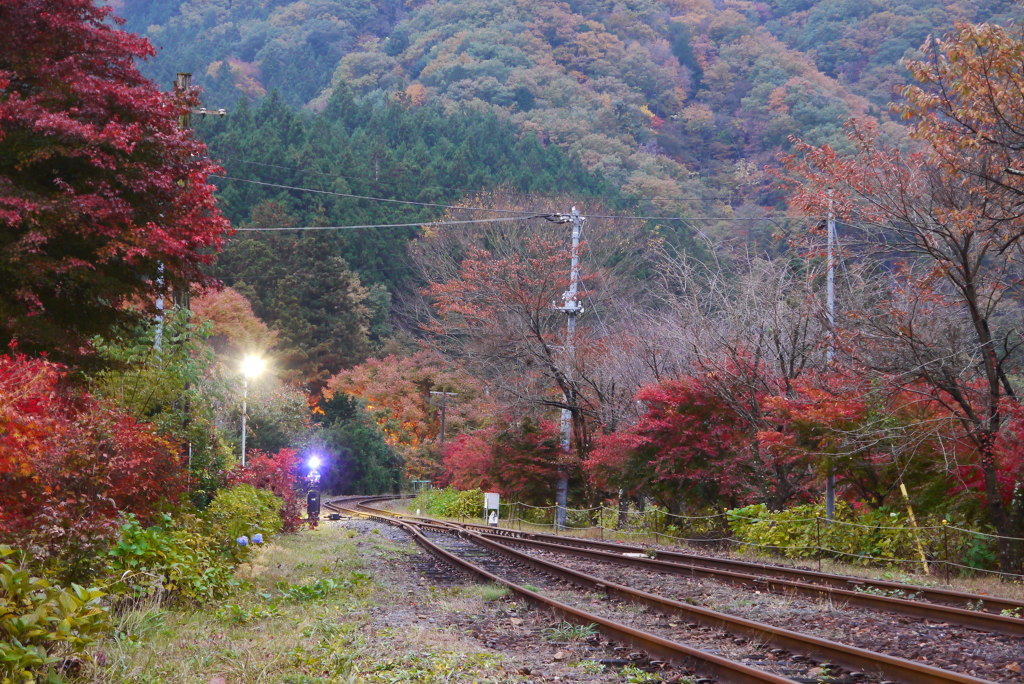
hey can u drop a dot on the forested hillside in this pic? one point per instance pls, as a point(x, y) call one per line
point(328, 293)
point(681, 101)
point(677, 105)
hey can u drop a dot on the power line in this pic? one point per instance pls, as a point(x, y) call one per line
point(521, 213)
point(432, 224)
point(699, 218)
point(418, 224)
point(374, 199)
point(392, 172)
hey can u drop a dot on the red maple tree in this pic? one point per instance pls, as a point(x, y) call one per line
point(686, 448)
point(101, 189)
point(518, 462)
point(69, 465)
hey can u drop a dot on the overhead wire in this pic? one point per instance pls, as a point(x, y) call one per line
point(519, 212)
point(422, 224)
point(333, 174)
point(371, 198)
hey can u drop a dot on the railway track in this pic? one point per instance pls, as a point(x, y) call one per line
point(874, 595)
point(860, 664)
point(976, 603)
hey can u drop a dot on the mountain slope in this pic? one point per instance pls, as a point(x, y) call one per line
point(679, 103)
point(679, 100)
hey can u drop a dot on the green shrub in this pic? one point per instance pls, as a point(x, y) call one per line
point(450, 503)
point(979, 552)
point(864, 537)
point(182, 561)
point(244, 510)
point(41, 624)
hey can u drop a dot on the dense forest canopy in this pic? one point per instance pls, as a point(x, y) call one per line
point(680, 101)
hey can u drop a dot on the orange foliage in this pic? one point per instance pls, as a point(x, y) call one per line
point(236, 329)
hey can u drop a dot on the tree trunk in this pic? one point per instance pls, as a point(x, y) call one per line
point(1006, 519)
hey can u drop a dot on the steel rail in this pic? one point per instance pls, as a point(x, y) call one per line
point(988, 622)
point(849, 656)
point(935, 595)
point(701, 661)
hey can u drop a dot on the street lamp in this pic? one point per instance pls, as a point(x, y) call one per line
point(252, 367)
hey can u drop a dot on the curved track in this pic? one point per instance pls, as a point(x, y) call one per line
point(498, 541)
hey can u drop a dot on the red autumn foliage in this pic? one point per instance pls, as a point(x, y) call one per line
point(1008, 456)
point(520, 462)
point(814, 418)
point(397, 391)
point(688, 446)
point(69, 465)
point(836, 419)
point(100, 186)
point(278, 473)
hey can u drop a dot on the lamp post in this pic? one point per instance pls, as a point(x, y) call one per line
point(252, 367)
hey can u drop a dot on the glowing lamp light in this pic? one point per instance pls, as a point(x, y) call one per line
point(313, 462)
point(253, 366)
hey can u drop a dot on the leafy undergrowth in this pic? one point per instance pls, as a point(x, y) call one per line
point(304, 615)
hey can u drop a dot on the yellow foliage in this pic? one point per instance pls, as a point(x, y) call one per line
point(417, 94)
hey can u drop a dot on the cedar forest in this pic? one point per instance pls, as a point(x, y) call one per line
point(374, 216)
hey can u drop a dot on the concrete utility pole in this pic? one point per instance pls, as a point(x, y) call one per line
point(572, 309)
point(830, 352)
point(444, 405)
point(182, 296)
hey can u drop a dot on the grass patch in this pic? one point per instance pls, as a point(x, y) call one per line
point(492, 592)
point(566, 631)
point(589, 667)
point(305, 616)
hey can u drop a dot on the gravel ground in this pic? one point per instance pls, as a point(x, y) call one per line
point(988, 656)
point(757, 655)
point(993, 657)
point(438, 606)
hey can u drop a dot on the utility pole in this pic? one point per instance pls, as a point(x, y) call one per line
point(444, 404)
point(571, 308)
point(182, 295)
point(182, 84)
point(830, 351)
